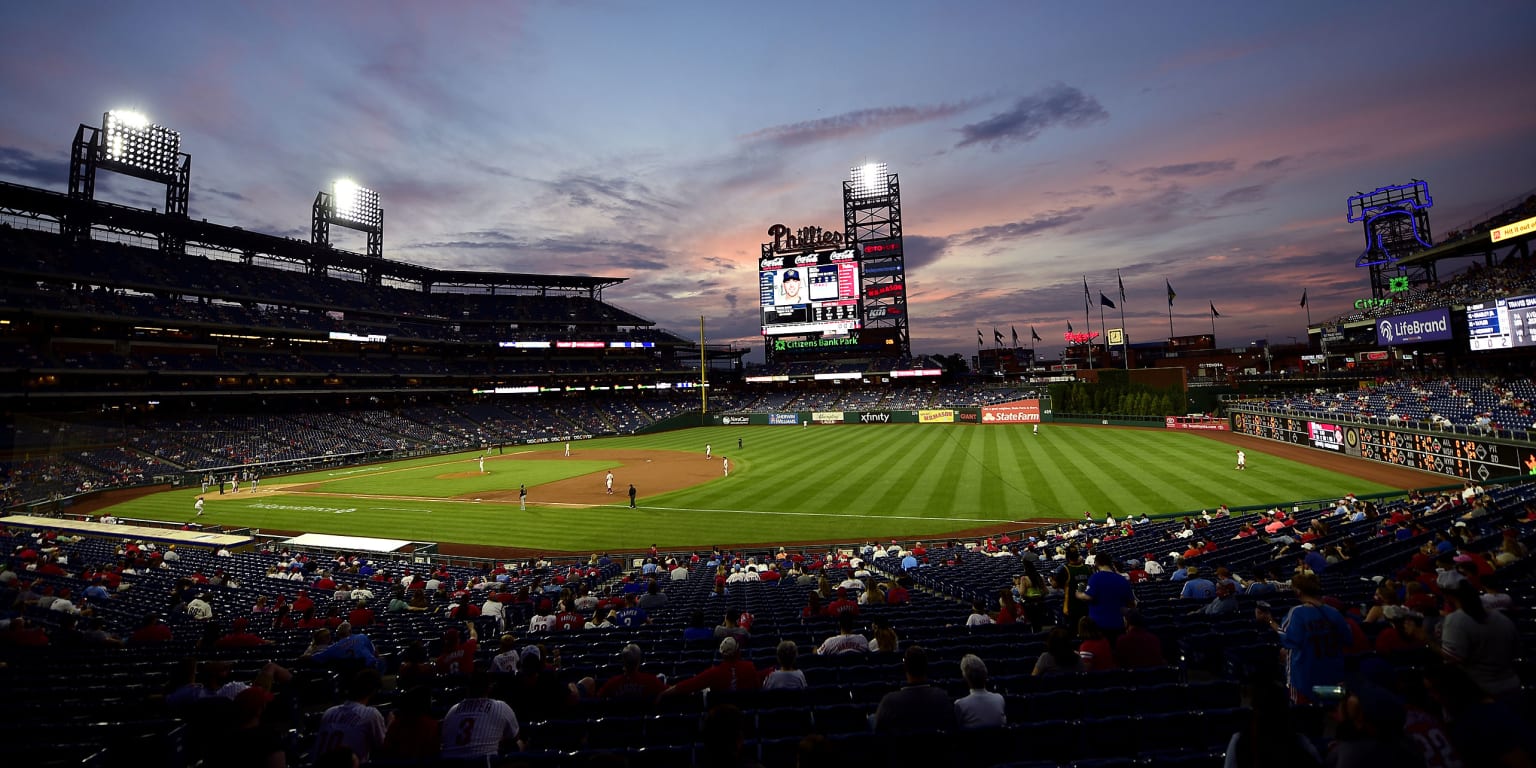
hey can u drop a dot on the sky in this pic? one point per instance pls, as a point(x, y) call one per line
point(1039, 145)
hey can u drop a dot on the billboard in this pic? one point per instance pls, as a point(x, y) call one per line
point(784, 418)
point(809, 293)
point(1328, 436)
point(1502, 323)
point(1522, 227)
point(827, 417)
point(1414, 328)
point(945, 416)
point(1016, 412)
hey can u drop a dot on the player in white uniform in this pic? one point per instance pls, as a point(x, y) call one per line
point(567, 450)
point(610, 483)
point(1242, 459)
point(707, 453)
point(725, 464)
point(199, 506)
point(1037, 429)
point(482, 465)
point(478, 725)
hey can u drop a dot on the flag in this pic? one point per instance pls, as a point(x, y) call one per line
point(1104, 301)
point(997, 336)
point(1303, 297)
point(1087, 297)
point(1171, 294)
point(978, 337)
point(1034, 336)
point(1069, 326)
point(1121, 281)
point(1214, 313)
point(1015, 332)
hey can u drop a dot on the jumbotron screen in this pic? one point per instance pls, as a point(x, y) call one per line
point(809, 293)
point(1502, 324)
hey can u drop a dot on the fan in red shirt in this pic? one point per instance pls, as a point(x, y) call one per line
point(731, 674)
point(458, 658)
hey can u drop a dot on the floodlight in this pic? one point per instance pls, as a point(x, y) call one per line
point(128, 137)
point(355, 204)
point(870, 180)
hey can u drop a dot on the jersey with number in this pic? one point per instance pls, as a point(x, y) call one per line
point(353, 725)
point(1429, 736)
point(476, 727)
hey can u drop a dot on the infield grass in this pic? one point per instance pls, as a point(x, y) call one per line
point(825, 482)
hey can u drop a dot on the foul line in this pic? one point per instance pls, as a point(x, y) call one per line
point(989, 520)
point(350, 473)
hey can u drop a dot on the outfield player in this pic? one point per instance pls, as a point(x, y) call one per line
point(567, 449)
point(610, 483)
point(199, 506)
point(1037, 429)
point(707, 452)
point(482, 465)
point(1242, 459)
point(726, 464)
point(522, 496)
point(738, 443)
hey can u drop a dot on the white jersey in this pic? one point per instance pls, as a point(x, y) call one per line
point(356, 726)
point(610, 481)
point(477, 727)
point(199, 506)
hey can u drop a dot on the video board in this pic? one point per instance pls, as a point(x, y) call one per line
point(1502, 323)
point(1470, 458)
point(809, 293)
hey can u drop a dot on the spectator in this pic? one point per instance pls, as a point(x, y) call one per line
point(785, 676)
point(1197, 587)
point(1059, 656)
point(1225, 601)
point(632, 684)
point(1138, 647)
point(458, 658)
point(1095, 650)
point(730, 674)
point(1109, 597)
point(1271, 738)
point(884, 639)
point(979, 616)
point(479, 725)
point(845, 641)
point(918, 706)
point(413, 733)
point(980, 708)
point(1313, 637)
point(730, 625)
point(1485, 643)
point(353, 725)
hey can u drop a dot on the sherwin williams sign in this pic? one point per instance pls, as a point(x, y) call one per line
point(1414, 328)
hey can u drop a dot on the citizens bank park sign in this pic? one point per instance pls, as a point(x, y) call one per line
point(1016, 412)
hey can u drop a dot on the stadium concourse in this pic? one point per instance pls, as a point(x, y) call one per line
point(119, 652)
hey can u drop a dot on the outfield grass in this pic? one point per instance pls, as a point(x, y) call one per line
point(842, 482)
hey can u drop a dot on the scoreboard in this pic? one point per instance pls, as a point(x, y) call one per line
point(1464, 456)
point(807, 293)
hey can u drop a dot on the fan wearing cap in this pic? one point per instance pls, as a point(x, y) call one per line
point(730, 674)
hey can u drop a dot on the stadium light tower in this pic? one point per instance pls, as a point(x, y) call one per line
point(128, 143)
point(352, 206)
point(872, 226)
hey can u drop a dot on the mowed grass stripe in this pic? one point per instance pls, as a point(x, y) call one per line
point(1030, 452)
point(1136, 489)
point(1063, 471)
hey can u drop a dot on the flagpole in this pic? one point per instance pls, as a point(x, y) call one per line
point(1088, 321)
point(1213, 326)
point(1101, 328)
point(1125, 337)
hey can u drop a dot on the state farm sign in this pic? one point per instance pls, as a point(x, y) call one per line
point(1016, 412)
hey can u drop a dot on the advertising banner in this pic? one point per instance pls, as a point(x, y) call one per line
point(735, 421)
point(784, 418)
point(1197, 422)
point(867, 417)
point(1414, 328)
point(936, 416)
point(1328, 436)
point(968, 415)
point(1016, 412)
point(827, 417)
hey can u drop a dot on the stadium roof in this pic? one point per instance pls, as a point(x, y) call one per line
point(44, 205)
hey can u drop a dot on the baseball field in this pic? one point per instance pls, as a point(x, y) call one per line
point(786, 484)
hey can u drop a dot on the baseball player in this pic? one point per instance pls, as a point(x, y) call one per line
point(199, 506)
point(707, 451)
point(726, 465)
point(631, 495)
point(610, 483)
point(522, 496)
point(567, 450)
point(1242, 459)
point(1037, 429)
point(482, 465)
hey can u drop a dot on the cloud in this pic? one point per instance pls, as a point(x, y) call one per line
point(20, 164)
point(1273, 164)
point(609, 194)
point(1249, 194)
point(1017, 229)
point(1056, 105)
point(1184, 170)
point(855, 123)
point(921, 250)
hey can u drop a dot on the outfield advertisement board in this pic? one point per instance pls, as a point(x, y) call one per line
point(827, 417)
point(735, 421)
point(936, 416)
point(1016, 412)
point(867, 417)
point(1323, 435)
point(784, 418)
point(1475, 458)
point(1197, 422)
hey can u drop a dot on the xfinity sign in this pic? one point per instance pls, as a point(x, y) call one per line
point(1415, 328)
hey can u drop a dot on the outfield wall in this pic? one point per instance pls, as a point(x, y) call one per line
point(1031, 411)
point(1470, 457)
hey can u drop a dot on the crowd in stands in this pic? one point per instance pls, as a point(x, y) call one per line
point(1404, 624)
point(1477, 283)
point(1525, 209)
point(1484, 406)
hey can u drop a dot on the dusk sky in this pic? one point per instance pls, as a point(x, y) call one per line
point(1211, 145)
